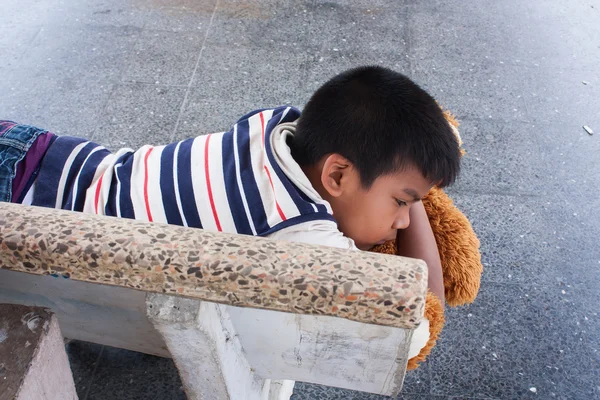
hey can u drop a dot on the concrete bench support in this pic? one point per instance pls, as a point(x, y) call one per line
point(208, 352)
point(231, 352)
point(33, 361)
point(205, 348)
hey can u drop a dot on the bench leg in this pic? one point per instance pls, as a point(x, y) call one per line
point(278, 390)
point(33, 361)
point(206, 350)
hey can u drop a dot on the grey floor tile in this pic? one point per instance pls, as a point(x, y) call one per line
point(171, 15)
point(534, 240)
point(164, 57)
point(182, 19)
point(562, 96)
point(15, 40)
point(570, 144)
point(89, 12)
point(188, 5)
point(514, 60)
point(574, 167)
point(494, 164)
point(234, 72)
point(524, 33)
point(123, 374)
point(362, 26)
point(138, 114)
point(133, 360)
point(516, 237)
point(418, 381)
point(103, 13)
point(474, 91)
point(328, 62)
point(563, 43)
point(354, 34)
point(573, 257)
point(417, 385)
point(518, 338)
point(66, 107)
point(263, 22)
point(438, 34)
point(84, 358)
point(87, 53)
point(202, 116)
point(309, 391)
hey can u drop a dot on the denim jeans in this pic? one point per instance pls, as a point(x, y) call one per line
point(15, 141)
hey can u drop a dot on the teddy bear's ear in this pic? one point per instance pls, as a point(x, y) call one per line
point(451, 118)
point(454, 126)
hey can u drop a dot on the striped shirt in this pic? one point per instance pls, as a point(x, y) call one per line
point(241, 181)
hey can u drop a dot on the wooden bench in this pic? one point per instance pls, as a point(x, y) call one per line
point(242, 317)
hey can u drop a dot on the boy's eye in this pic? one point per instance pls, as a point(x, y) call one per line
point(401, 203)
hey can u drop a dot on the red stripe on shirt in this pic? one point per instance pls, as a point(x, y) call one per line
point(97, 197)
point(279, 210)
point(146, 184)
point(210, 195)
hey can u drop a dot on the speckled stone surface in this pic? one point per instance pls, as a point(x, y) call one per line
point(230, 269)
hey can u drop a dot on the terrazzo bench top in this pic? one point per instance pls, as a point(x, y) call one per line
point(237, 270)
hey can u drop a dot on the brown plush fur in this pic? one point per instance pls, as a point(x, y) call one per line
point(458, 247)
point(459, 254)
point(434, 312)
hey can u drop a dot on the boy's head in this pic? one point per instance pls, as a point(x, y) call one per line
point(372, 143)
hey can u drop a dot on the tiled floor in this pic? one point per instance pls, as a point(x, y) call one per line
point(522, 77)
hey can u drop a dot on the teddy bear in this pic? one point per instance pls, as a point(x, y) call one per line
point(458, 247)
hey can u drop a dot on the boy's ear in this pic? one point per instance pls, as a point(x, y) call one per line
point(336, 174)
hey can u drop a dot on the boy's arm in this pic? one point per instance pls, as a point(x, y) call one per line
point(417, 241)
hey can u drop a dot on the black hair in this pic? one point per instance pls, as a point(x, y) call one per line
point(380, 121)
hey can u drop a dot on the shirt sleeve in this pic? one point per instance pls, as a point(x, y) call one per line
point(320, 232)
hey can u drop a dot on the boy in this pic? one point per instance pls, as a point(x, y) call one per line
point(350, 172)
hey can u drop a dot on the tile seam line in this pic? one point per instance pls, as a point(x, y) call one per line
point(87, 392)
point(189, 86)
point(134, 83)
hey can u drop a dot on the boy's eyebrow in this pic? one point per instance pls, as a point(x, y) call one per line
point(412, 193)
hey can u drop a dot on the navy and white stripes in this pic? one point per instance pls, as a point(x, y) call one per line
point(241, 181)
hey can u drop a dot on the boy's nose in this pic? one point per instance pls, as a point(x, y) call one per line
point(402, 222)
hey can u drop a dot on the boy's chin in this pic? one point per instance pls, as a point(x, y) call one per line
point(369, 246)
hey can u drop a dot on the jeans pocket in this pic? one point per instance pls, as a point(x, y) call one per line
point(9, 157)
point(14, 144)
